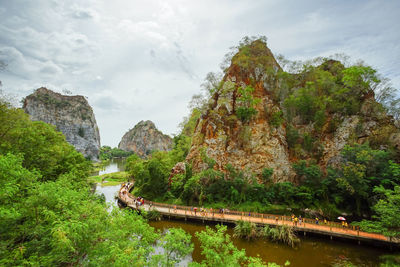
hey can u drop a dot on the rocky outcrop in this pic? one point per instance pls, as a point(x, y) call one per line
point(145, 138)
point(249, 146)
point(263, 141)
point(72, 115)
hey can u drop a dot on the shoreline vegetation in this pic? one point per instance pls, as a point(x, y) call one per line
point(110, 179)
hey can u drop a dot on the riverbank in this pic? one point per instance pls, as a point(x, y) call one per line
point(110, 179)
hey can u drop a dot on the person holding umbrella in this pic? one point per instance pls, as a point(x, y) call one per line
point(343, 219)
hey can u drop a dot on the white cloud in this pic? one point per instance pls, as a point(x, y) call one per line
point(138, 60)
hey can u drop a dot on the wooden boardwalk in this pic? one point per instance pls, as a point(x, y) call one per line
point(332, 229)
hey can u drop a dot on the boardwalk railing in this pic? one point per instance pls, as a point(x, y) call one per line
point(309, 225)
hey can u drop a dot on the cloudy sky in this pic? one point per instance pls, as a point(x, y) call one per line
point(140, 60)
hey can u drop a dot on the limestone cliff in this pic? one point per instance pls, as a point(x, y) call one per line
point(145, 138)
point(263, 141)
point(252, 145)
point(72, 115)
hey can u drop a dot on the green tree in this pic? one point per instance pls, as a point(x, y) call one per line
point(176, 244)
point(360, 78)
point(246, 103)
point(387, 209)
point(218, 250)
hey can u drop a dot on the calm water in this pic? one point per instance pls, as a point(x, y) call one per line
point(312, 251)
point(115, 165)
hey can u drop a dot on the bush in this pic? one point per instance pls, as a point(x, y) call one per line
point(277, 118)
point(267, 174)
point(81, 132)
point(282, 233)
point(246, 104)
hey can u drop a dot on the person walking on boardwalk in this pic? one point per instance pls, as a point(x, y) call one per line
point(300, 219)
point(295, 221)
point(316, 220)
point(276, 219)
point(175, 208)
point(195, 211)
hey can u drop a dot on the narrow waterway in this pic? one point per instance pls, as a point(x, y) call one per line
point(115, 165)
point(312, 251)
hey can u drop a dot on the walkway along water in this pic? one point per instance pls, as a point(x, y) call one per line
point(331, 229)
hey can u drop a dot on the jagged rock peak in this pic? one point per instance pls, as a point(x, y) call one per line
point(249, 123)
point(72, 115)
point(247, 145)
point(145, 138)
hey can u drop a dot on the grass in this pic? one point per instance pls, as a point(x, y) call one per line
point(110, 179)
point(284, 234)
point(98, 166)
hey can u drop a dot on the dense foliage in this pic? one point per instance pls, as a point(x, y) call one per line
point(106, 152)
point(50, 218)
point(218, 250)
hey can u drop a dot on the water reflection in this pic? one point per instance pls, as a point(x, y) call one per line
point(110, 192)
point(114, 165)
point(313, 251)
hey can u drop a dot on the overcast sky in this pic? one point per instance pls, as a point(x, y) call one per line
point(143, 60)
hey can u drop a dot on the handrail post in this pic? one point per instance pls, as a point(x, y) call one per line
point(262, 218)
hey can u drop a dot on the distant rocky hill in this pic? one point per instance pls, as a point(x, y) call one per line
point(260, 116)
point(72, 115)
point(145, 138)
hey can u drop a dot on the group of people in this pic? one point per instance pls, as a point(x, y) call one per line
point(139, 201)
point(204, 211)
point(297, 220)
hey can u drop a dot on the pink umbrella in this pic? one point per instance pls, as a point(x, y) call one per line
point(341, 218)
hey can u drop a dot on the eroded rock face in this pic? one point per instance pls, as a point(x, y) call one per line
point(72, 115)
point(248, 146)
point(145, 138)
point(262, 142)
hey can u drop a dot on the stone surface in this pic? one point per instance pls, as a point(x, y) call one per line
point(250, 146)
point(72, 115)
point(258, 144)
point(145, 138)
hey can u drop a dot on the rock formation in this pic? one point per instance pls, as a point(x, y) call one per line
point(72, 115)
point(262, 141)
point(145, 138)
point(252, 145)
